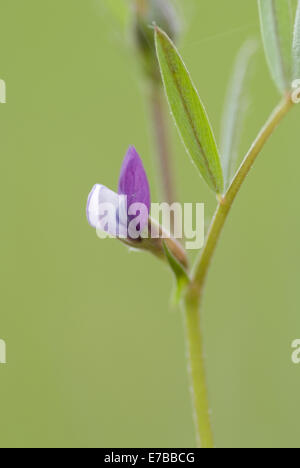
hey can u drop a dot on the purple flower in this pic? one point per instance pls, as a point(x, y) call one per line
point(123, 214)
point(134, 184)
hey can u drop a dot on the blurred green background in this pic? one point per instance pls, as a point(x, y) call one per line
point(96, 355)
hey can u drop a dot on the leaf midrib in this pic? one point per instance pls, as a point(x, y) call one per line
point(190, 119)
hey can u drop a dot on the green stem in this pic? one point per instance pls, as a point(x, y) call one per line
point(197, 371)
point(194, 295)
point(203, 263)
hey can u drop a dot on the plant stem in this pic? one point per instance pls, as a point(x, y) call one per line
point(225, 204)
point(197, 371)
point(162, 143)
point(195, 292)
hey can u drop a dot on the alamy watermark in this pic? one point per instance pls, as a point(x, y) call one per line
point(2, 92)
point(2, 342)
point(296, 352)
point(179, 221)
point(2, 352)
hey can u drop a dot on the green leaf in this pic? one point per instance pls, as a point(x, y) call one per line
point(189, 113)
point(235, 110)
point(182, 278)
point(296, 46)
point(277, 32)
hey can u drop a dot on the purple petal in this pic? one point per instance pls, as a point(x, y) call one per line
point(134, 183)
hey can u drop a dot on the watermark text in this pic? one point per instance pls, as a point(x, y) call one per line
point(296, 352)
point(183, 222)
point(2, 92)
point(2, 352)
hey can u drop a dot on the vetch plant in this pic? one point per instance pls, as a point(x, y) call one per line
point(281, 38)
point(133, 190)
point(125, 215)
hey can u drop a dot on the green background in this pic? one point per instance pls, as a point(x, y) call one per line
point(96, 355)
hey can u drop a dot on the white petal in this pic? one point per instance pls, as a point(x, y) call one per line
point(105, 208)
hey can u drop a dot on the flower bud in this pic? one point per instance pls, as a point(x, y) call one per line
point(148, 13)
point(125, 215)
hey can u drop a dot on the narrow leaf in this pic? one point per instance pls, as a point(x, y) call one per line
point(296, 46)
point(235, 110)
point(189, 113)
point(182, 279)
point(276, 26)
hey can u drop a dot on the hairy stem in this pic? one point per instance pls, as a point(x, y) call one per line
point(194, 295)
point(197, 371)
